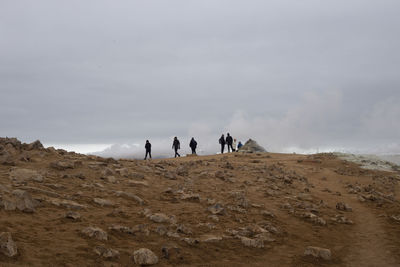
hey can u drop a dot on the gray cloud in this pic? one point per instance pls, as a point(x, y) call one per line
point(290, 73)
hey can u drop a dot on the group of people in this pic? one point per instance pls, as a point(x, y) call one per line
point(176, 145)
point(231, 142)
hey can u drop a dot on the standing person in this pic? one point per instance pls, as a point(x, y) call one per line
point(222, 142)
point(234, 145)
point(239, 145)
point(193, 145)
point(229, 141)
point(176, 145)
point(147, 146)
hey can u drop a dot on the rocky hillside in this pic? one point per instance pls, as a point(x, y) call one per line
point(59, 208)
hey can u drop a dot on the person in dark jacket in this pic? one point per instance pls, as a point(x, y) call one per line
point(222, 142)
point(229, 141)
point(239, 145)
point(147, 146)
point(176, 145)
point(193, 145)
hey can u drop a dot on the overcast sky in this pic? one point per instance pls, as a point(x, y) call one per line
point(291, 74)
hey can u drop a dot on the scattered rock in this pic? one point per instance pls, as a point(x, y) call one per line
point(145, 256)
point(341, 219)
point(7, 245)
point(35, 145)
point(23, 175)
point(160, 218)
point(216, 209)
point(107, 253)
point(73, 215)
point(210, 238)
point(23, 201)
point(170, 176)
point(95, 232)
point(343, 206)
point(266, 213)
point(171, 251)
point(251, 146)
point(103, 202)
point(62, 165)
point(317, 252)
point(138, 183)
point(255, 243)
point(129, 196)
point(191, 197)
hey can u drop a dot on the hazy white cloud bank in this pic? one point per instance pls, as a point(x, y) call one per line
point(318, 123)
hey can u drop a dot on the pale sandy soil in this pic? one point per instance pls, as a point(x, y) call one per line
point(389, 163)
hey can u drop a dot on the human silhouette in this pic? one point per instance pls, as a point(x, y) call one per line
point(229, 141)
point(234, 145)
point(193, 145)
point(147, 146)
point(222, 142)
point(176, 145)
point(239, 145)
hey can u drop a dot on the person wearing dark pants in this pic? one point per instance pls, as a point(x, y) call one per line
point(229, 141)
point(222, 143)
point(176, 145)
point(147, 146)
point(193, 145)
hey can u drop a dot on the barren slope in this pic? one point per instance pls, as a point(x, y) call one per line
point(224, 210)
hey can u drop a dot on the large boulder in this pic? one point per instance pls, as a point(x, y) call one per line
point(251, 146)
point(35, 145)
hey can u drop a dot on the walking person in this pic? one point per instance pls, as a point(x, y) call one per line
point(222, 142)
point(229, 141)
point(234, 145)
point(176, 145)
point(193, 145)
point(147, 146)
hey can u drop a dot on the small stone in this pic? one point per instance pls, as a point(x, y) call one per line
point(7, 245)
point(122, 229)
point(170, 176)
point(317, 252)
point(343, 206)
point(161, 230)
point(24, 201)
point(255, 243)
point(73, 215)
point(266, 213)
point(159, 218)
point(107, 253)
point(216, 209)
point(62, 165)
point(214, 218)
point(24, 175)
point(129, 196)
point(145, 256)
point(190, 241)
point(171, 252)
point(191, 197)
point(103, 202)
point(210, 238)
point(95, 232)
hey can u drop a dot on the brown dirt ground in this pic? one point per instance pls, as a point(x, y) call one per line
point(287, 185)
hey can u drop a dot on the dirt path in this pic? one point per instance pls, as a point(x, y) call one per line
point(371, 243)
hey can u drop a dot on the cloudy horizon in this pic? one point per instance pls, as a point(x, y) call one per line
point(296, 76)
